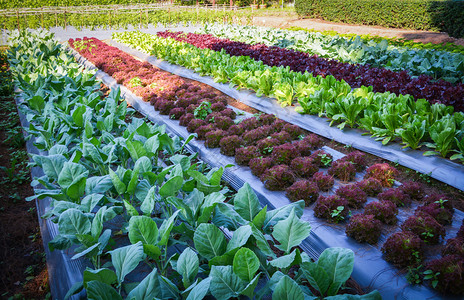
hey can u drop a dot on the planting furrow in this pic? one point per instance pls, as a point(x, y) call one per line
point(382, 80)
point(292, 165)
point(354, 50)
point(385, 119)
point(148, 217)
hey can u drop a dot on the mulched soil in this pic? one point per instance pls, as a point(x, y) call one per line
point(22, 258)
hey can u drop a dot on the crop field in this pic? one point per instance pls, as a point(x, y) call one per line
point(229, 161)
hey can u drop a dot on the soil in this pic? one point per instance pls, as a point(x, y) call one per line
point(292, 20)
point(22, 258)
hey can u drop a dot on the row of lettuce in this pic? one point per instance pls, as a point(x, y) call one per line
point(394, 41)
point(434, 63)
point(101, 169)
point(386, 116)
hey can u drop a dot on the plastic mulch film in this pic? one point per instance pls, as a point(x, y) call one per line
point(439, 168)
point(370, 270)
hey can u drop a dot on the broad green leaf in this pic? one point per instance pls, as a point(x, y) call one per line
point(290, 232)
point(117, 182)
point(97, 290)
point(285, 261)
point(143, 229)
point(166, 228)
point(258, 220)
point(98, 184)
point(73, 222)
point(287, 289)
point(200, 290)
point(275, 215)
point(224, 283)
point(246, 202)
point(261, 242)
point(89, 202)
point(148, 203)
point(249, 290)
point(187, 266)
point(152, 144)
point(245, 264)
point(103, 275)
point(103, 215)
point(71, 173)
point(316, 276)
point(130, 209)
point(126, 259)
point(209, 241)
point(171, 187)
point(240, 237)
point(338, 263)
point(148, 289)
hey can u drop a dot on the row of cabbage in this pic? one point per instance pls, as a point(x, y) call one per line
point(385, 115)
point(437, 64)
point(101, 169)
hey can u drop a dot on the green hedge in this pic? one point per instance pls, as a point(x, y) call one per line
point(447, 16)
point(5, 4)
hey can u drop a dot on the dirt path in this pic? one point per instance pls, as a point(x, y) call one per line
point(317, 24)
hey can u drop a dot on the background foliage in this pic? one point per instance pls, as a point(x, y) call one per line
point(447, 16)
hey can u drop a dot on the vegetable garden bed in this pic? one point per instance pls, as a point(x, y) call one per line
point(212, 154)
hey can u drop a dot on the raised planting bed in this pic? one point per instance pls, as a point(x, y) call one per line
point(324, 234)
point(150, 220)
point(443, 170)
point(381, 53)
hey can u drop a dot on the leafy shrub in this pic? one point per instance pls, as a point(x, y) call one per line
point(303, 148)
point(228, 112)
point(413, 189)
point(439, 198)
point(222, 122)
point(333, 208)
point(235, 130)
point(313, 140)
point(245, 154)
point(259, 165)
point(278, 125)
point(267, 119)
point(229, 143)
point(439, 212)
point(266, 145)
point(364, 228)
point(185, 119)
point(403, 249)
point(282, 136)
point(343, 170)
point(203, 130)
point(384, 211)
point(322, 158)
point(357, 158)
point(248, 124)
point(218, 107)
point(185, 102)
point(252, 136)
point(278, 178)
point(284, 154)
point(303, 166)
point(444, 16)
point(213, 138)
point(194, 124)
point(370, 186)
point(294, 130)
point(176, 113)
point(353, 195)
point(303, 190)
point(425, 227)
point(165, 107)
point(323, 181)
point(454, 246)
point(383, 172)
point(449, 272)
point(191, 108)
point(395, 196)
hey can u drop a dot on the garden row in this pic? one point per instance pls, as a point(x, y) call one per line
point(126, 195)
point(444, 16)
point(381, 80)
point(434, 63)
point(385, 115)
point(393, 41)
point(284, 159)
point(124, 18)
